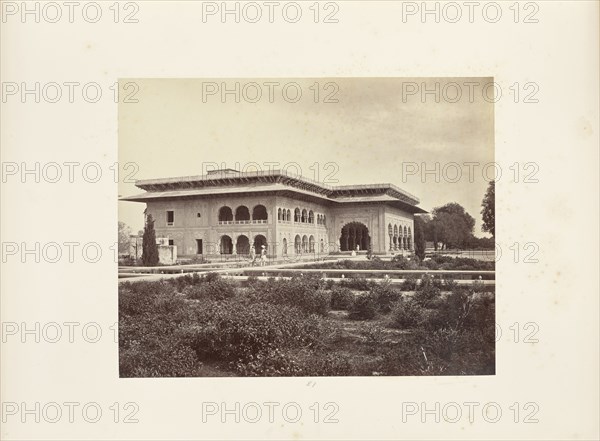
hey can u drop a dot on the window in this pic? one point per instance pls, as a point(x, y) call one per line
point(170, 217)
point(171, 242)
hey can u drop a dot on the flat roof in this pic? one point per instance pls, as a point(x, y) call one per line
point(230, 181)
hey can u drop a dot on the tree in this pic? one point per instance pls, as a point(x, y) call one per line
point(419, 237)
point(488, 212)
point(451, 225)
point(149, 248)
point(124, 239)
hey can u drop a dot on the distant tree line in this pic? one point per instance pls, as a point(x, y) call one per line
point(450, 226)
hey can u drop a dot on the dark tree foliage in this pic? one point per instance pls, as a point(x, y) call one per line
point(488, 211)
point(451, 225)
point(149, 248)
point(419, 237)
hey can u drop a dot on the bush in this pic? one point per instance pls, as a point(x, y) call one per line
point(341, 298)
point(402, 263)
point(146, 297)
point(215, 289)
point(407, 314)
point(411, 281)
point(327, 364)
point(304, 292)
point(364, 308)
point(283, 363)
point(358, 283)
point(252, 280)
point(235, 331)
point(385, 296)
point(189, 279)
point(269, 363)
point(428, 291)
point(165, 360)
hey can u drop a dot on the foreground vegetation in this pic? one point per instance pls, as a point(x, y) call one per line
point(209, 326)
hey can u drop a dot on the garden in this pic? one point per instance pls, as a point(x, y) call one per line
point(194, 326)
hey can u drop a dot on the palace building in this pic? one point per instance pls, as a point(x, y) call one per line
point(225, 212)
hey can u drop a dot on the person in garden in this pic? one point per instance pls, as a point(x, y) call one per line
point(263, 256)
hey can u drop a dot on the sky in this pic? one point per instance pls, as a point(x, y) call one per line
point(342, 131)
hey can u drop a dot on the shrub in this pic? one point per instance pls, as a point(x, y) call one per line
point(427, 291)
point(358, 283)
point(403, 263)
point(166, 360)
point(407, 314)
point(462, 310)
point(305, 292)
point(215, 289)
point(144, 297)
point(384, 296)
point(189, 279)
point(327, 364)
point(364, 308)
point(236, 331)
point(269, 363)
point(410, 283)
point(275, 362)
point(252, 280)
point(374, 335)
point(341, 298)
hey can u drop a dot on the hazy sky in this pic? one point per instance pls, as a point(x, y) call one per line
point(378, 128)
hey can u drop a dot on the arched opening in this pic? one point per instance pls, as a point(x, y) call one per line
point(353, 234)
point(226, 245)
point(304, 216)
point(409, 239)
point(297, 244)
point(225, 214)
point(242, 213)
point(304, 244)
point(259, 241)
point(297, 215)
point(242, 245)
point(311, 217)
point(279, 214)
point(324, 220)
point(284, 247)
point(322, 246)
point(405, 238)
point(311, 244)
point(288, 216)
point(259, 213)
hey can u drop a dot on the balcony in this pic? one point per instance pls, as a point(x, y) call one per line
point(244, 222)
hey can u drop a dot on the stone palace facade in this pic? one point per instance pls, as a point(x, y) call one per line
point(225, 212)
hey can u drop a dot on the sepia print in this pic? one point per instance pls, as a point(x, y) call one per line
point(307, 227)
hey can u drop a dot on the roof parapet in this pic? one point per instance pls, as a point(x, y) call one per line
point(215, 178)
